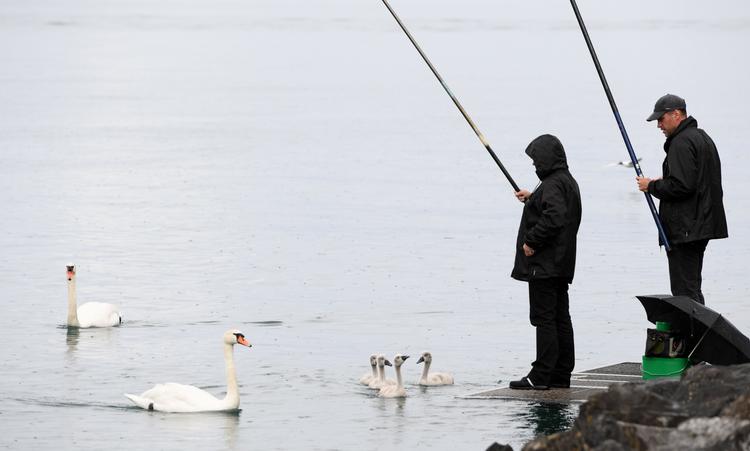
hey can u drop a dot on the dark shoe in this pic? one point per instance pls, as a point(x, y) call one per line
point(559, 385)
point(525, 384)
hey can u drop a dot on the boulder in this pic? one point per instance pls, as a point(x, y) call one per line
point(708, 409)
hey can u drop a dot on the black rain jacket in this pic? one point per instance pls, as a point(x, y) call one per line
point(691, 203)
point(551, 216)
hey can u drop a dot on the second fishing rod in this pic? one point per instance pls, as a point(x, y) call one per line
point(620, 124)
point(455, 100)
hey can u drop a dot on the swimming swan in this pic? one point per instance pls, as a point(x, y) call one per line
point(367, 378)
point(381, 380)
point(434, 378)
point(171, 397)
point(398, 390)
point(90, 314)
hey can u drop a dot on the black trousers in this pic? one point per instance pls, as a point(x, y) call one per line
point(685, 268)
point(555, 350)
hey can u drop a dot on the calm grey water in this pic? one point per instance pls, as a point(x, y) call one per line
point(294, 170)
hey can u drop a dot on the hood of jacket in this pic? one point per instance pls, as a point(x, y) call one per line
point(548, 155)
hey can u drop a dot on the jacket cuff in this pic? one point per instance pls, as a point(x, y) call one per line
point(651, 189)
point(531, 243)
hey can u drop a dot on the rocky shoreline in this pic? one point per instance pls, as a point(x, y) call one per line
point(707, 409)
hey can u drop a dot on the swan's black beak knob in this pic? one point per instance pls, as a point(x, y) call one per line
point(421, 359)
point(387, 363)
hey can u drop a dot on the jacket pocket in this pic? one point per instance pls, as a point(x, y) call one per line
point(680, 218)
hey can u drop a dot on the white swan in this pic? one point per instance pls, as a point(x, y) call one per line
point(367, 378)
point(434, 378)
point(90, 314)
point(381, 380)
point(398, 390)
point(171, 397)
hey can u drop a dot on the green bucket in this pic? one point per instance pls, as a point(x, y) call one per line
point(662, 326)
point(655, 367)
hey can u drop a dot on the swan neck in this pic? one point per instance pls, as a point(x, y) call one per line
point(374, 371)
point(425, 370)
point(232, 399)
point(399, 382)
point(72, 305)
point(381, 373)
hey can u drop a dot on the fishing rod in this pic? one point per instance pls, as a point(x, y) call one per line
point(455, 100)
point(633, 158)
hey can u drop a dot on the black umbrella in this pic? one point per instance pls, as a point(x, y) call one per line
point(710, 336)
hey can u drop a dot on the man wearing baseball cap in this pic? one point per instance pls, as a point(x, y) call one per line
point(691, 206)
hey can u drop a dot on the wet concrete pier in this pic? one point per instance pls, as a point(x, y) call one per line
point(582, 385)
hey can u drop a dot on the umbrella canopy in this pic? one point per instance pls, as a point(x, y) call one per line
point(711, 337)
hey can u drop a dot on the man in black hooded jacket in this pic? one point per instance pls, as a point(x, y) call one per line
point(691, 207)
point(546, 258)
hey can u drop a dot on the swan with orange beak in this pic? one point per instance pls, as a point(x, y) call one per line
point(179, 398)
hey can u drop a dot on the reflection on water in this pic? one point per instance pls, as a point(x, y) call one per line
point(550, 418)
point(231, 423)
point(393, 406)
point(228, 424)
point(71, 339)
point(222, 426)
point(97, 339)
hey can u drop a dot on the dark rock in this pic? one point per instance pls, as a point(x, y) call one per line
point(610, 445)
point(561, 441)
point(665, 388)
point(705, 390)
point(708, 409)
point(602, 427)
point(636, 402)
point(650, 436)
point(739, 408)
point(709, 434)
point(498, 447)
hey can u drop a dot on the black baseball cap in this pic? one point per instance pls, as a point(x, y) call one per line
point(666, 103)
